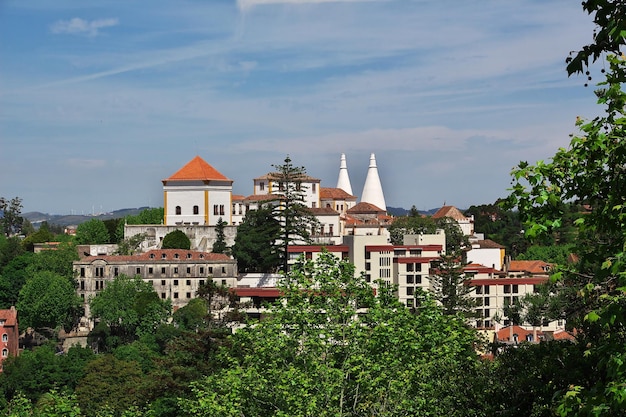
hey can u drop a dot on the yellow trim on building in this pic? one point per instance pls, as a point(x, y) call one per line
point(165, 208)
point(206, 207)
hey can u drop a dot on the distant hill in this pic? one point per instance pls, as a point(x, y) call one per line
point(36, 217)
point(398, 211)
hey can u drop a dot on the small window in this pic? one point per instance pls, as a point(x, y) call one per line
point(201, 270)
point(163, 256)
point(116, 271)
point(5, 353)
point(163, 270)
point(175, 295)
point(175, 282)
point(223, 270)
point(82, 272)
point(222, 211)
point(224, 282)
point(215, 209)
point(210, 270)
point(152, 256)
point(486, 301)
point(178, 210)
point(163, 295)
point(138, 271)
point(189, 255)
point(162, 282)
point(507, 289)
point(515, 288)
point(150, 270)
point(82, 284)
point(410, 279)
point(188, 295)
point(5, 337)
point(418, 279)
point(201, 256)
point(201, 282)
point(479, 289)
point(189, 270)
point(175, 270)
point(188, 282)
point(313, 188)
point(262, 186)
point(196, 210)
point(486, 289)
point(410, 290)
point(176, 256)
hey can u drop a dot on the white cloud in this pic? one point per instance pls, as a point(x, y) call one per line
point(249, 4)
point(78, 26)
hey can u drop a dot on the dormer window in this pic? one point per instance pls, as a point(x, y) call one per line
point(163, 256)
point(152, 256)
point(201, 256)
point(175, 256)
point(189, 256)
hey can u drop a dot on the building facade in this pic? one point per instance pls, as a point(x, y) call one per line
point(9, 334)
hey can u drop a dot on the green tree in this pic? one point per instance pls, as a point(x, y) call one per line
point(450, 286)
point(193, 315)
point(40, 236)
point(554, 254)
point(129, 246)
point(219, 246)
point(412, 224)
point(49, 300)
point(146, 216)
point(11, 220)
point(332, 347)
point(92, 232)
point(176, 240)
point(295, 219)
point(13, 278)
point(255, 245)
point(589, 172)
point(126, 309)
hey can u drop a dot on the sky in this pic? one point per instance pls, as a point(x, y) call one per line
point(100, 101)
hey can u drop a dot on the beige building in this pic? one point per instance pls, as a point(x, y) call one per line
point(175, 274)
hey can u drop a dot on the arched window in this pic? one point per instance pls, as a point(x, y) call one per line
point(178, 210)
point(5, 353)
point(5, 337)
point(196, 210)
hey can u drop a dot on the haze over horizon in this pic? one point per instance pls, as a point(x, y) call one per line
point(101, 101)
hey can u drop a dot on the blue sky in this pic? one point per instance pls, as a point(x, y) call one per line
point(99, 101)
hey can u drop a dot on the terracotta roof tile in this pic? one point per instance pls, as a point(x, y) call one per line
point(449, 211)
point(197, 169)
point(323, 211)
point(363, 207)
point(488, 244)
point(533, 267)
point(335, 194)
point(9, 316)
point(157, 254)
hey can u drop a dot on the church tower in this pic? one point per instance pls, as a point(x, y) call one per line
point(344, 180)
point(373, 190)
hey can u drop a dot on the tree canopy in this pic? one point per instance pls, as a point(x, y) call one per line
point(176, 240)
point(92, 232)
point(255, 245)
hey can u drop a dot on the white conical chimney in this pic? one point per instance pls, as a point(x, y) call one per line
point(344, 179)
point(373, 191)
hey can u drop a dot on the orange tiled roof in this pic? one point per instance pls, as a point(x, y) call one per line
point(157, 254)
point(9, 316)
point(197, 169)
point(237, 197)
point(449, 211)
point(321, 211)
point(533, 267)
point(335, 194)
point(363, 207)
point(488, 244)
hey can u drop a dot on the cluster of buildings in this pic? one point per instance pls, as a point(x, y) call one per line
point(197, 197)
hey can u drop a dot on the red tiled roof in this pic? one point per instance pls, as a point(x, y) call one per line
point(262, 197)
point(335, 194)
point(9, 316)
point(197, 169)
point(157, 254)
point(481, 269)
point(532, 267)
point(488, 244)
point(449, 211)
point(363, 207)
point(237, 197)
point(323, 211)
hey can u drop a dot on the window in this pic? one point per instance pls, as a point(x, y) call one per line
point(222, 211)
point(188, 295)
point(515, 288)
point(418, 279)
point(82, 284)
point(5, 353)
point(5, 337)
point(138, 271)
point(330, 229)
point(223, 270)
point(368, 278)
point(82, 272)
point(216, 209)
point(189, 256)
point(486, 315)
point(178, 210)
point(486, 301)
point(116, 271)
point(418, 267)
point(152, 256)
point(210, 270)
point(479, 289)
point(368, 266)
point(224, 282)
point(99, 271)
point(188, 282)
point(162, 282)
point(410, 290)
point(507, 289)
point(162, 295)
point(313, 188)
point(163, 256)
point(150, 271)
point(409, 302)
point(196, 210)
point(486, 289)
point(175, 295)
point(175, 270)
point(410, 267)
point(201, 270)
point(262, 186)
point(201, 282)
point(175, 282)
point(176, 256)
point(163, 270)
point(410, 279)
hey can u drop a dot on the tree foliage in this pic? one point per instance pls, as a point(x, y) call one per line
point(127, 308)
point(590, 172)
point(176, 239)
point(92, 232)
point(332, 347)
point(295, 218)
point(451, 287)
point(11, 220)
point(219, 246)
point(255, 245)
point(49, 300)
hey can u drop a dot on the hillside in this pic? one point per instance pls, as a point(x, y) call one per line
point(36, 217)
